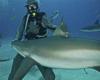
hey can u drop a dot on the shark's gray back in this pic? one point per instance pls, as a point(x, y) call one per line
point(61, 52)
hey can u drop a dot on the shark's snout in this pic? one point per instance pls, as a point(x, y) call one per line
point(16, 44)
point(13, 43)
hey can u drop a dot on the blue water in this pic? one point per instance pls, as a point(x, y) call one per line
point(76, 14)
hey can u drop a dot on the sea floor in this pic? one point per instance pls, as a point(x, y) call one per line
point(61, 74)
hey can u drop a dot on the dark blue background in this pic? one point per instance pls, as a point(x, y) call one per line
point(76, 13)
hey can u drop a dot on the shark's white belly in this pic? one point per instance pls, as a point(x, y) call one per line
point(68, 59)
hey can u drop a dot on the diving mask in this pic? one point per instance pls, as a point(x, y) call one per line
point(31, 8)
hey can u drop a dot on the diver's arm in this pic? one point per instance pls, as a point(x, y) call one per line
point(20, 31)
point(47, 23)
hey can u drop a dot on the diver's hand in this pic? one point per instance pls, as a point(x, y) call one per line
point(53, 28)
point(54, 25)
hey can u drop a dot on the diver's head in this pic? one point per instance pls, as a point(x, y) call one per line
point(32, 6)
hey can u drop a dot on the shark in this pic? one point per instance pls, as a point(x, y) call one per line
point(4, 60)
point(61, 51)
point(92, 28)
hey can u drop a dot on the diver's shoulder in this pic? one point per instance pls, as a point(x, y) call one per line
point(25, 16)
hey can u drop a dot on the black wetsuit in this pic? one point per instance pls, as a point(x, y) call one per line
point(42, 30)
point(19, 61)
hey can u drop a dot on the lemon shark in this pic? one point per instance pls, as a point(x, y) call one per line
point(61, 51)
point(92, 28)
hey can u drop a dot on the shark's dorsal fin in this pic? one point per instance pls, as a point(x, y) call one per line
point(61, 30)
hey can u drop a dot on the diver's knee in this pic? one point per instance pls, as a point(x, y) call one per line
point(10, 77)
point(18, 58)
point(17, 78)
point(49, 75)
point(53, 76)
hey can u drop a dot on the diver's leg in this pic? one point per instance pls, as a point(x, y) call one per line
point(24, 68)
point(16, 63)
point(47, 73)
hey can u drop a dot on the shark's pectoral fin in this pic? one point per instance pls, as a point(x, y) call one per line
point(97, 68)
point(61, 30)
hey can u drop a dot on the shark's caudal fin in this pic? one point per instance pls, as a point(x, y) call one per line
point(61, 30)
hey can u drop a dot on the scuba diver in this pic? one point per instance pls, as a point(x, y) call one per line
point(34, 26)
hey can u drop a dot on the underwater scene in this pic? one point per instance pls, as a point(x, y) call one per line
point(49, 39)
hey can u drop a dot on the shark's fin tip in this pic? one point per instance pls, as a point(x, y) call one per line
point(61, 30)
